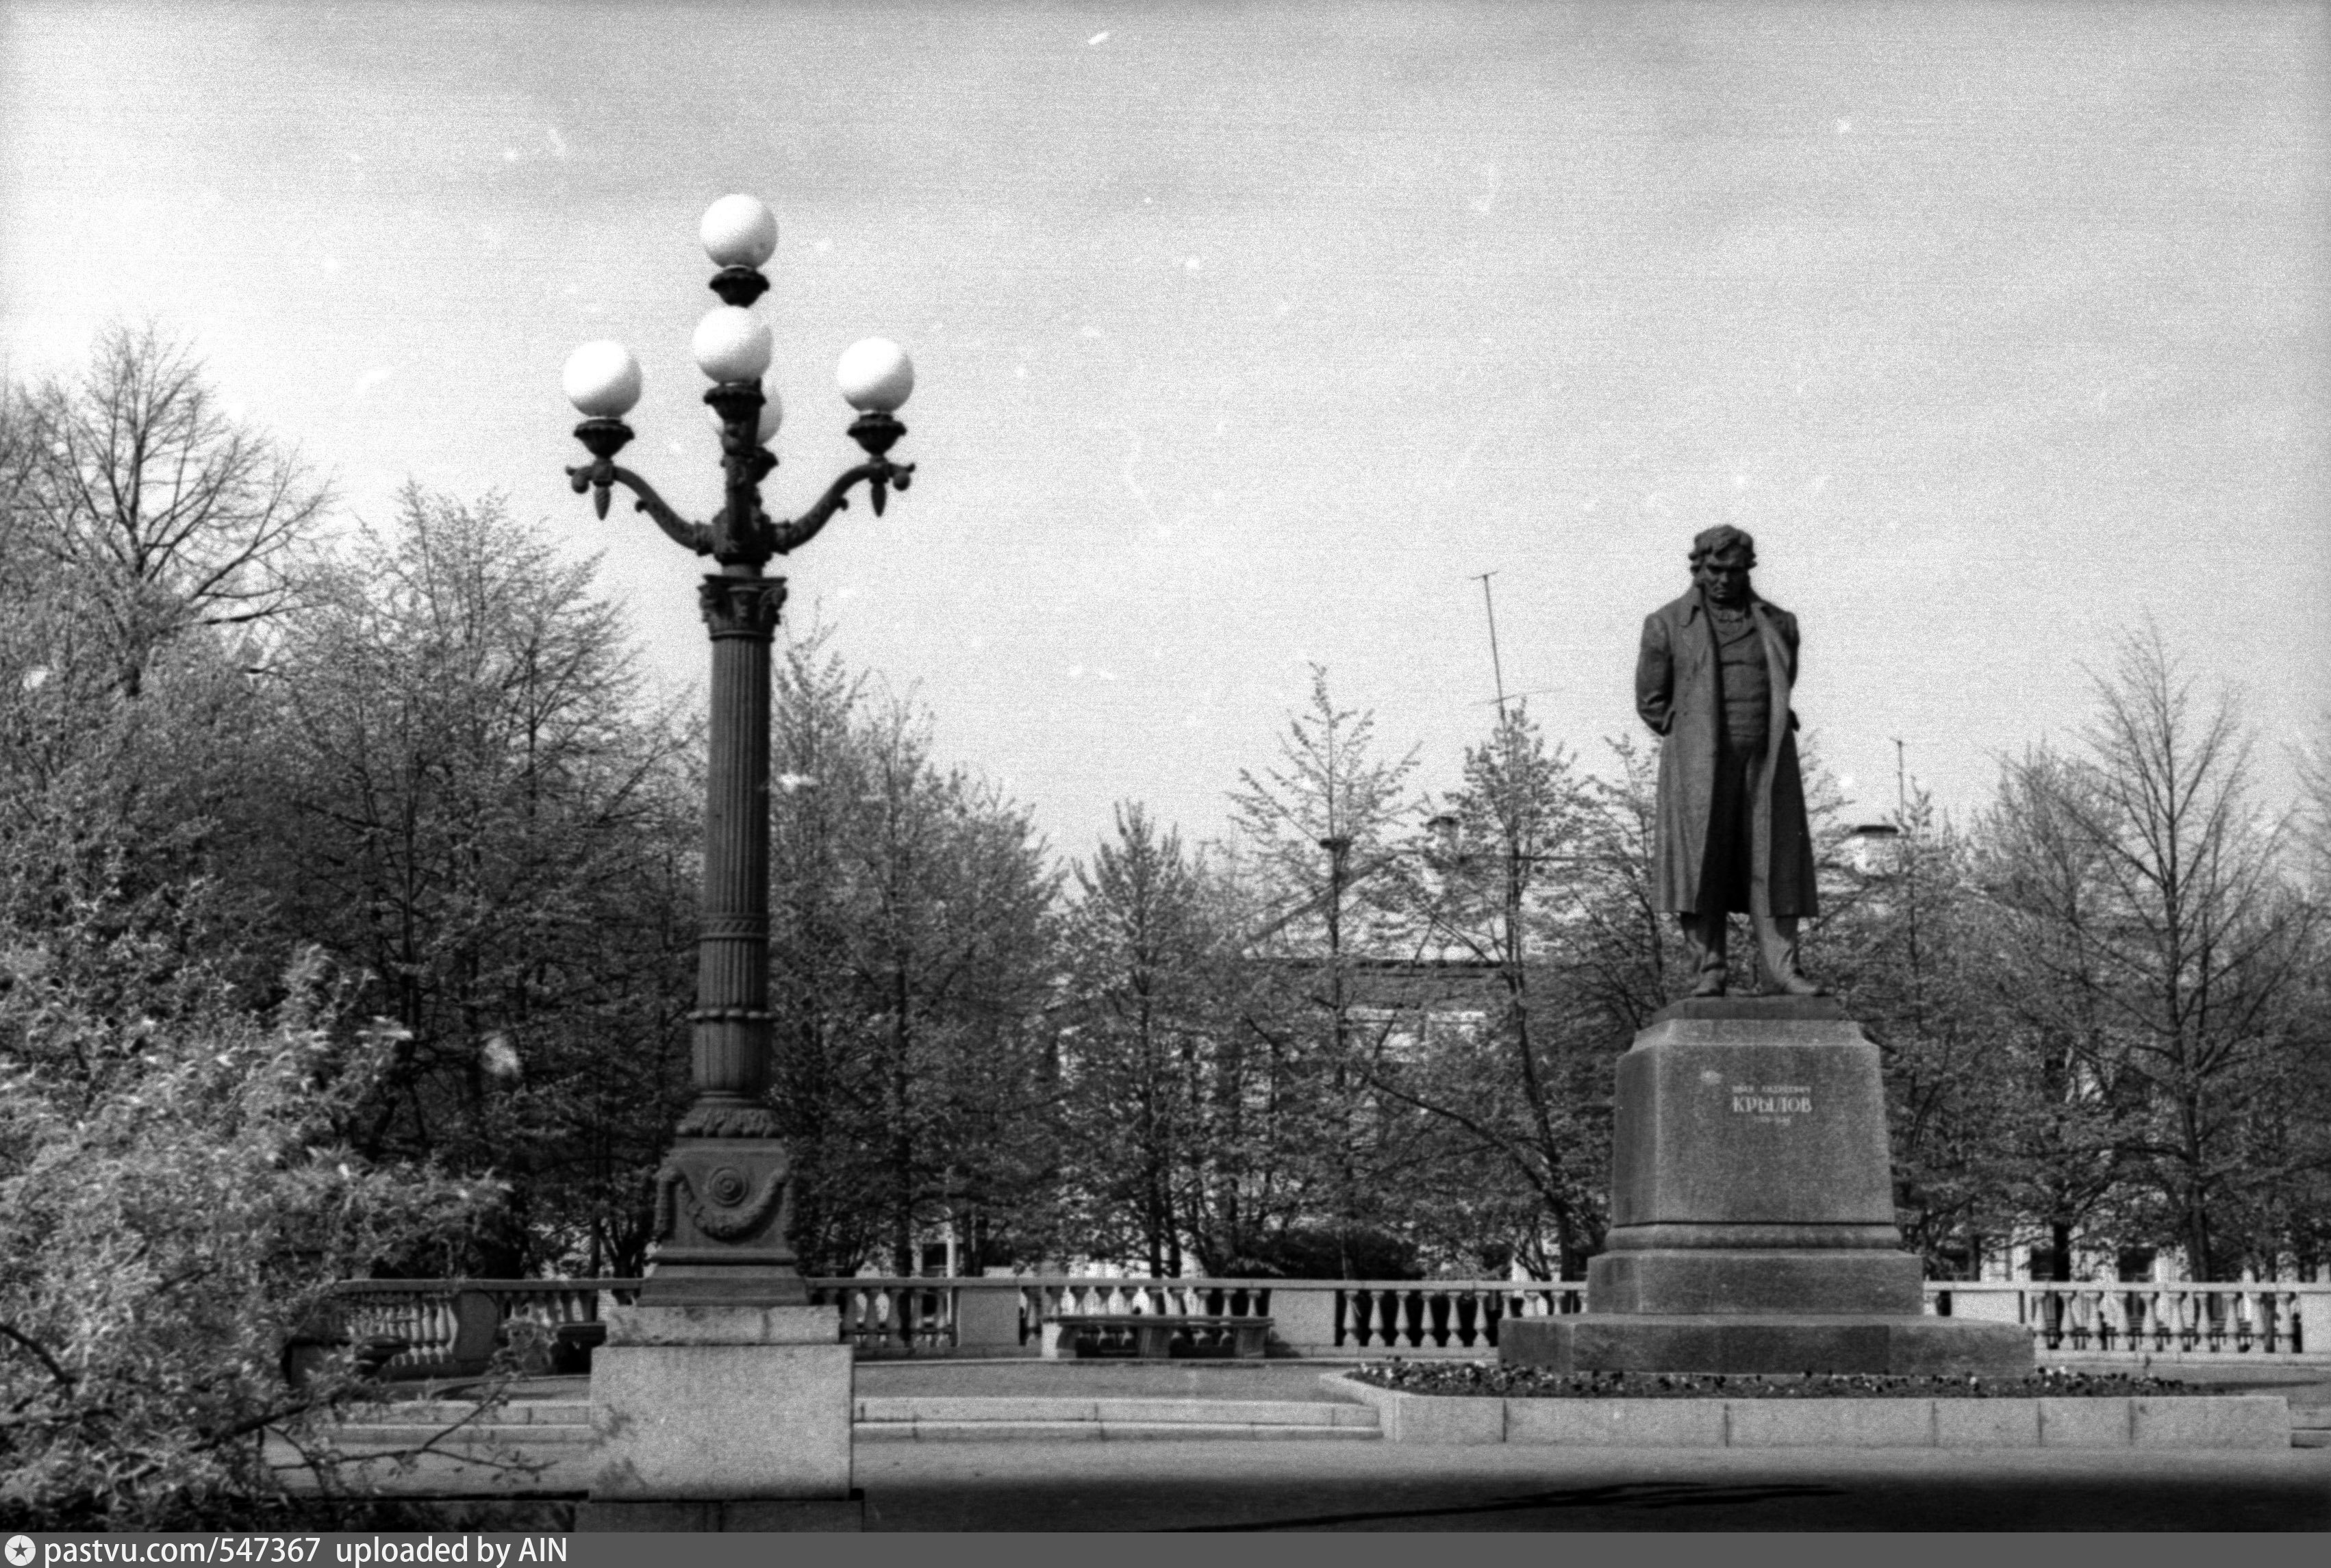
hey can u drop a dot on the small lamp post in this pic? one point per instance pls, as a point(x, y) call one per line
point(723, 1197)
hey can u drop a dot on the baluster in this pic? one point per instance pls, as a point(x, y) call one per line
point(407, 1318)
point(427, 1325)
point(1411, 1308)
point(1493, 1312)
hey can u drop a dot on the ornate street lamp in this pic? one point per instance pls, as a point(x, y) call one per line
point(723, 1206)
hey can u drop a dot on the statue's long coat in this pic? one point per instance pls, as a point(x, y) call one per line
point(1676, 693)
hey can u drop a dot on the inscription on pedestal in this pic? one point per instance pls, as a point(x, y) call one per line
point(1772, 1102)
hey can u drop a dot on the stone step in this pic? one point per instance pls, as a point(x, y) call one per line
point(2310, 1437)
point(1301, 1413)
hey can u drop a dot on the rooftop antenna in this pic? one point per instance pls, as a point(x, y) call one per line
point(1496, 668)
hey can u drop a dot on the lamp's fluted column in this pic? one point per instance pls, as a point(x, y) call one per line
point(722, 1197)
point(732, 983)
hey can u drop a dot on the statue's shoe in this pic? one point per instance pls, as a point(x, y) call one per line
point(1712, 986)
point(1795, 984)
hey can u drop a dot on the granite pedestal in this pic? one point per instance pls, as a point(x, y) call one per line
point(1752, 1212)
point(727, 1404)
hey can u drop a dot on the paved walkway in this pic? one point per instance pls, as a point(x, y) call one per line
point(1384, 1487)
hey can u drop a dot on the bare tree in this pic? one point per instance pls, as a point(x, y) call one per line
point(168, 511)
point(2196, 941)
point(2314, 759)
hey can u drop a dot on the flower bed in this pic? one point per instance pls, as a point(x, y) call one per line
point(1492, 1380)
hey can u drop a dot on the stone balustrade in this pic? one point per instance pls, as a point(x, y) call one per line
point(449, 1327)
point(2144, 1318)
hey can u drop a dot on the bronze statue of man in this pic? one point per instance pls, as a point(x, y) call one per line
point(1713, 680)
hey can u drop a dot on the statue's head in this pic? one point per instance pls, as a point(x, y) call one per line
point(1721, 560)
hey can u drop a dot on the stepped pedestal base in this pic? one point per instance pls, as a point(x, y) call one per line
point(1773, 1345)
point(1775, 1280)
point(1751, 1212)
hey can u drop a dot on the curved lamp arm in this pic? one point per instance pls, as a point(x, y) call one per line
point(881, 474)
point(600, 475)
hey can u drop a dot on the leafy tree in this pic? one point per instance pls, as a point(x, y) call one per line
point(483, 811)
point(1321, 832)
point(165, 1230)
point(911, 929)
point(1155, 1051)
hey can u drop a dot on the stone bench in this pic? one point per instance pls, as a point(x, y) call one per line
point(1152, 1335)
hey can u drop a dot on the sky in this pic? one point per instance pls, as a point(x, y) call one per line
point(1247, 337)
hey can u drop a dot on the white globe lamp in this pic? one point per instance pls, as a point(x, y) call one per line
point(603, 380)
point(875, 375)
point(732, 344)
point(739, 231)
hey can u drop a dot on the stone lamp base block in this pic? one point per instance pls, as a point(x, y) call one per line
point(727, 1404)
point(1776, 1345)
point(1756, 1282)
